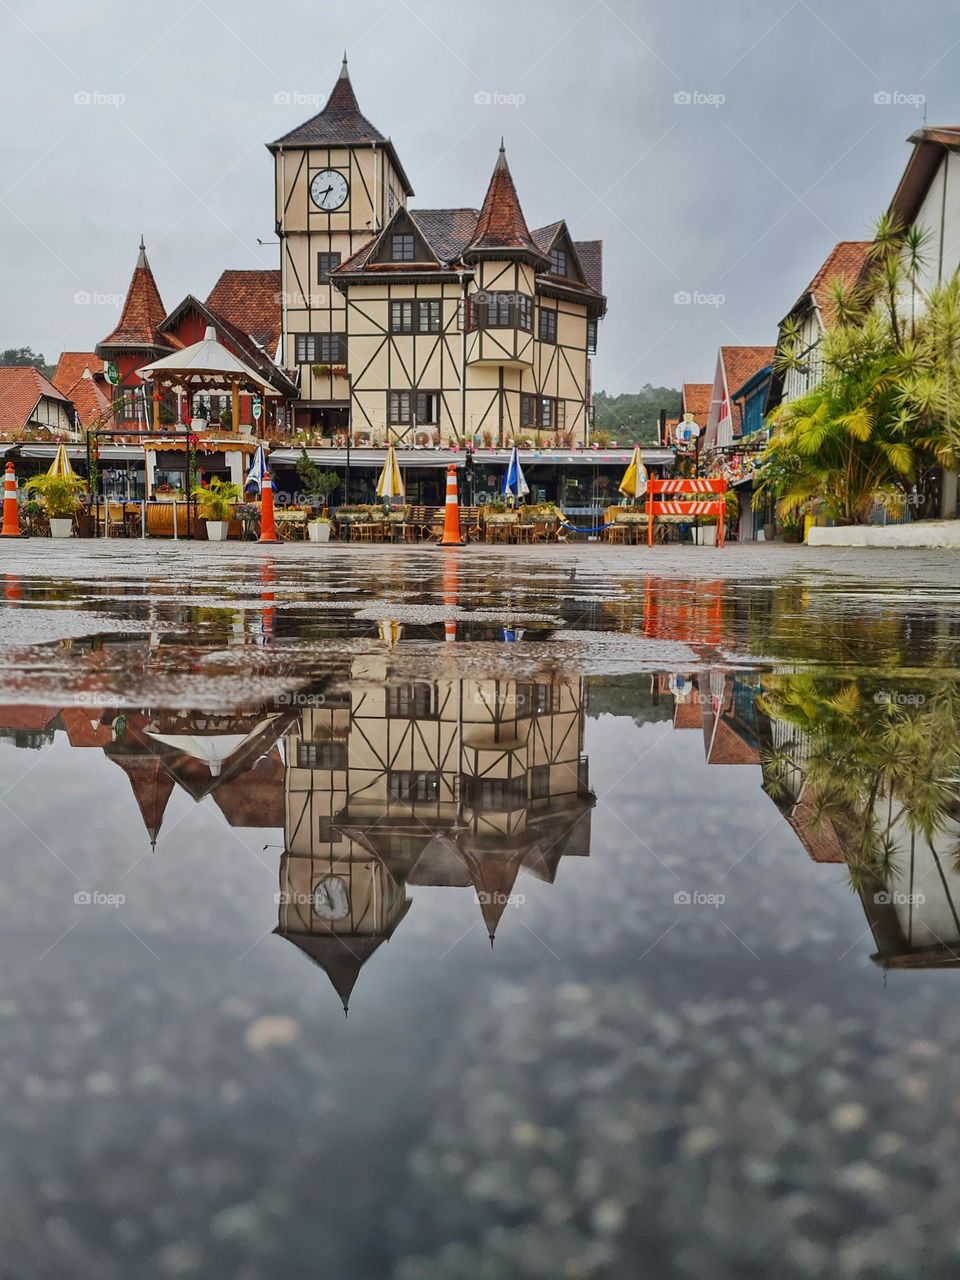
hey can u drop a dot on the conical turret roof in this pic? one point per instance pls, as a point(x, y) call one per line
point(142, 316)
point(501, 228)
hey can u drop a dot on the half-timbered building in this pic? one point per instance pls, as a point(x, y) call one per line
point(429, 326)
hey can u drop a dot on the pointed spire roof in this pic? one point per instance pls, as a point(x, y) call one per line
point(501, 229)
point(493, 876)
point(142, 316)
point(341, 123)
point(152, 788)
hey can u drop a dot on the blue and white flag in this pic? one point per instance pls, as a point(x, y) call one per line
point(514, 485)
point(258, 468)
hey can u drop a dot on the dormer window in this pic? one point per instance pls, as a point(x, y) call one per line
point(402, 247)
point(558, 262)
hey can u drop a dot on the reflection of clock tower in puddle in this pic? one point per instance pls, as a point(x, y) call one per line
point(454, 783)
point(337, 180)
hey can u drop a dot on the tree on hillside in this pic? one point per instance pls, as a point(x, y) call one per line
point(22, 356)
point(631, 418)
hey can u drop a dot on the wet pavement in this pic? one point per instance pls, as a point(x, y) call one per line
point(636, 873)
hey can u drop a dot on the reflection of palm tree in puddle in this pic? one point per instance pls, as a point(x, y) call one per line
point(870, 773)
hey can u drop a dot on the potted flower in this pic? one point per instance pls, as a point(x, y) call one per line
point(318, 529)
point(216, 502)
point(60, 496)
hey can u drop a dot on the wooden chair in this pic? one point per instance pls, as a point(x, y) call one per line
point(111, 516)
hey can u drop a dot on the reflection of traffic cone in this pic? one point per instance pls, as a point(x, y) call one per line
point(451, 584)
point(268, 524)
point(267, 599)
point(451, 515)
point(11, 586)
point(11, 520)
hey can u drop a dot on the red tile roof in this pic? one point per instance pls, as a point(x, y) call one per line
point(846, 261)
point(501, 225)
point(90, 402)
point(21, 387)
point(70, 367)
point(590, 253)
point(142, 315)
point(250, 300)
point(740, 364)
point(696, 400)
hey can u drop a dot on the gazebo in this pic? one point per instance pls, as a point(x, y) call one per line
point(205, 366)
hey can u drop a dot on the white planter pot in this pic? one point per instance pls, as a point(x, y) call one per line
point(217, 530)
point(199, 424)
point(61, 527)
point(318, 532)
point(705, 535)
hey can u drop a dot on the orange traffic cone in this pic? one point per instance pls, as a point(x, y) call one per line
point(268, 524)
point(11, 519)
point(451, 515)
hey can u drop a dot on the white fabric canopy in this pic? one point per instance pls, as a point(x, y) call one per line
point(205, 364)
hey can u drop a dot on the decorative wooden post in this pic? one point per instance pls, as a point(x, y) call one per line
point(156, 404)
point(236, 407)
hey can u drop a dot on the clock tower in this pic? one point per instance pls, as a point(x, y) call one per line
point(337, 180)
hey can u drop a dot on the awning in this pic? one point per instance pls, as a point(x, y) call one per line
point(78, 452)
point(363, 456)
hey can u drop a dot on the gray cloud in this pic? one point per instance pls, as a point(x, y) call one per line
point(741, 197)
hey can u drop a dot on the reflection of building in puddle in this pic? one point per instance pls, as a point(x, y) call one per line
point(456, 783)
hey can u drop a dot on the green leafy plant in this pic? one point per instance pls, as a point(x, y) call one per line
point(218, 499)
point(318, 485)
point(60, 494)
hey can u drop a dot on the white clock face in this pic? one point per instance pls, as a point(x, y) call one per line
point(329, 189)
point(331, 900)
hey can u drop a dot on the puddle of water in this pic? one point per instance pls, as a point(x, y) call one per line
point(640, 894)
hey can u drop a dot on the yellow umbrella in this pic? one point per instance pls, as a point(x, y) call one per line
point(61, 464)
point(390, 484)
point(634, 482)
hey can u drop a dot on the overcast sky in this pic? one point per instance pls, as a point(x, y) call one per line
point(736, 194)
